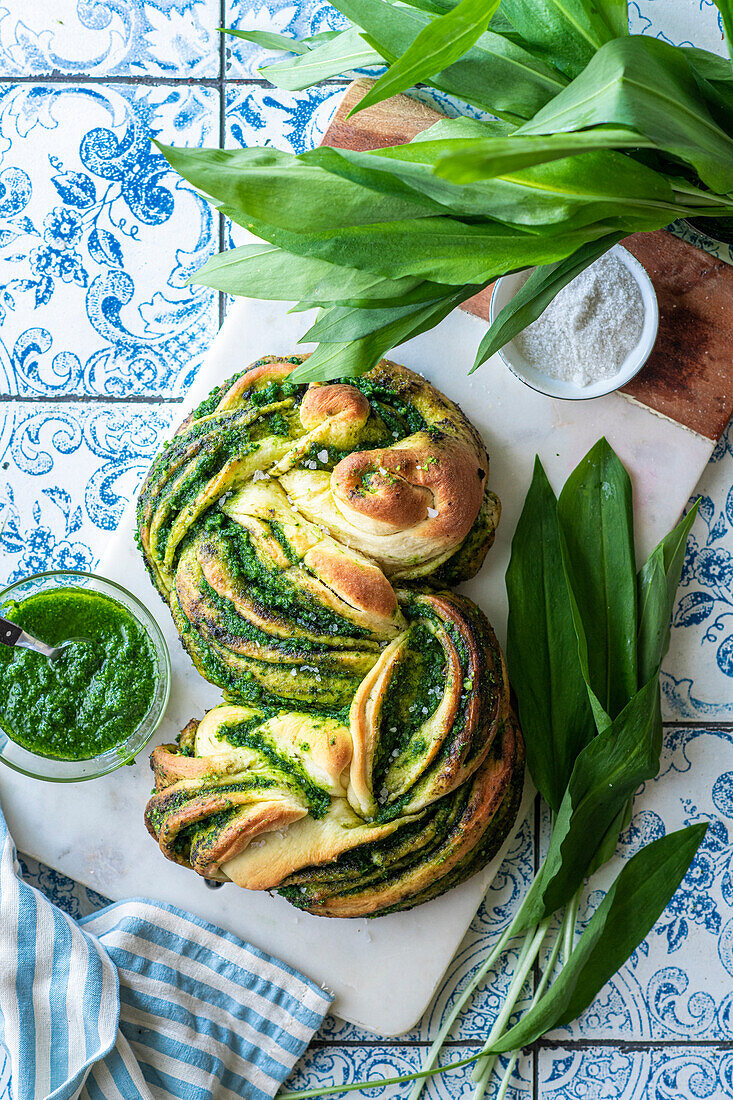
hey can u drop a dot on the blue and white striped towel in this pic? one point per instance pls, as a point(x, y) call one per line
point(142, 1001)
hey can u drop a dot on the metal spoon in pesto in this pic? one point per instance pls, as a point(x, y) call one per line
point(14, 636)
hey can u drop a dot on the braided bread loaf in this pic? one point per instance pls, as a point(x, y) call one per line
point(367, 757)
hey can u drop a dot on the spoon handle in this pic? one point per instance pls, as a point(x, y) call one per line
point(13, 635)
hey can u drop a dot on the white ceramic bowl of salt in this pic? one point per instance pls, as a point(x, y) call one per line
point(560, 353)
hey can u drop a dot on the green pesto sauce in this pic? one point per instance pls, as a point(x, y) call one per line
point(412, 697)
point(95, 694)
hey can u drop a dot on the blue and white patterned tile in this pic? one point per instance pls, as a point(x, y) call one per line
point(684, 22)
point(697, 677)
point(297, 20)
point(66, 474)
point(172, 38)
point(656, 1073)
point(335, 1065)
point(293, 121)
point(97, 239)
point(76, 900)
point(677, 984)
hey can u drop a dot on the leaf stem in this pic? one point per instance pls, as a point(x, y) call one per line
point(375, 1082)
point(530, 948)
point(568, 926)
point(434, 1051)
point(541, 986)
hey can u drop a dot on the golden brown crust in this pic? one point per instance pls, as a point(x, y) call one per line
point(360, 583)
point(334, 402)
point(439, 485)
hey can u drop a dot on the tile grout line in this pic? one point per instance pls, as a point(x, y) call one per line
point(630, 1045)
point(155, 81)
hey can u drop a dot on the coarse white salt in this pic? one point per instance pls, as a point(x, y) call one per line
point(589, 328)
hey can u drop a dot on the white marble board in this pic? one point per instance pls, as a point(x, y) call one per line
point(94, 832)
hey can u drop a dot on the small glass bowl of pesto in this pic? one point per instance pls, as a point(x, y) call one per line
point(96, 705)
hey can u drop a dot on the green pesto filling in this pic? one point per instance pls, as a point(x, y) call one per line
point(269, 588)
point(412, 697)
point(244, 735)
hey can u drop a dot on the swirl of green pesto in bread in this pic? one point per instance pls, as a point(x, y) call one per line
point(369, 811)
point(278, 520)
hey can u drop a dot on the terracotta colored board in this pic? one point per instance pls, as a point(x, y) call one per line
point(393, 122)
point(689, 375)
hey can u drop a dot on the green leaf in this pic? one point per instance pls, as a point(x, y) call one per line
point(341, 323)
point(440, 249)
point(565, 32)
point(496, 156)
point(646, 85)
point(574, 192)
point(439, 44)
point(341, 54)
point(658, 580)
point(624, 918)
point(596, 520)
point(264, 271)
point(606, 774)
point(349, 360)
point(725, 7)
point(268, 39)
point(280, 188)
point(495, 74)
point(533, 298)
point(542, 650)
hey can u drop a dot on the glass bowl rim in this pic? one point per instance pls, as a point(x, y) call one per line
point(150, 625)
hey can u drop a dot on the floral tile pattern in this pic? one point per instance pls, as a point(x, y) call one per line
point(656, 1073)
point(49, 520)
point(95, 227)
point(283, 16)
point(293, 121)
point(697, 680)
point(110, 38)
point(97, 240)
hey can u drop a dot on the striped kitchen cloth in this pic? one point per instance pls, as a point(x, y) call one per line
point(141, 1001)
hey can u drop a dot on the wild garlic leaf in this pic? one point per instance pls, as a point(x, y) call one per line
point(646, 85)
point(565, 32)
point(349, 360)
point(269, 40)
point(495, 156)
point(569, 192)
point(657, 581)
point(341, 54)
point(624, 918)
point(265, 271)
point(596, 520)
point(533, 298)
point(279, 187)
point(439, 249)
point(495, 74)
point(439, 44)
point(339, 323)
point(606, 774)
point(542, 650)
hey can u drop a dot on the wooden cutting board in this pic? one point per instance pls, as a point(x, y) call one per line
point(689, 375)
